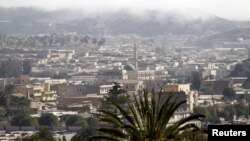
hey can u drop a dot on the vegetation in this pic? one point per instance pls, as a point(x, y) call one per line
point(240, 71)
point(2, 113)
point(145, 119)
point(84, 134)
point(192, 135)
point(116, 94)
point(14, 68)
point(44, 134)
point(48, 119)
point(229, 93)
point(52, 40)
point(87, 131)
point(246, 84)
point(61, 75)
point(196, 81)
point(24, 120)
point(228, 112)
point(76, 120)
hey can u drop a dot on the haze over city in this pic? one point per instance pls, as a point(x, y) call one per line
point(229, 9)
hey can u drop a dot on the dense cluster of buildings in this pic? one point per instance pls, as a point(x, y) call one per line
point(88, 75)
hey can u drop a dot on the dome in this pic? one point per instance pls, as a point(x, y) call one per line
point(129, 67)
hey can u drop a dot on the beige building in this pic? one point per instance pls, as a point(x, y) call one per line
point(42, 92)
point(191, 96)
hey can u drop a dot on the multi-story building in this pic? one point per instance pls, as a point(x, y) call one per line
point(182, 92)
point(112, 74)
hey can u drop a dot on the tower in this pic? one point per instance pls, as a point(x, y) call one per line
point(135, 57)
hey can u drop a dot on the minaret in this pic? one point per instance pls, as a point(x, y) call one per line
point(135, 57)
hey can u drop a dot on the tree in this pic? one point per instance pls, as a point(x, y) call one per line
point(196, 81)
point(10, 68)
point(20, 102)
point(101, 42)
point(63, 139)
point(61, 75)
point(229, 93)
point(3, 99)
point(2, 113)
point(94, 40)
point(116, 94)
point(48, 119)
point(192, 135)
point(211, 114)
point(43, 134)
point(84, 134)
point(26, 67)
point(231, 112)
point(246, 84)
point(76, 120)
point(29, 121)
point(24, 120)
point(87, 131)
point(241, 110)
point(146, 119)
point(239, 71)
point(5, 95)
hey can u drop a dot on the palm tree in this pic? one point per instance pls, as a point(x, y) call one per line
point(146, 119)
point(44, 134)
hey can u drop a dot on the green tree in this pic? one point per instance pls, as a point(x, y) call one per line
point(23, 120)
point(192, 135)
point(5, 95)
point(241, 110)
point(20, 102)
point(48, 119)
point(76, 120)
point(61, 75)
point(29, 121)
point(229, 93)
point(3, 99)
point(63, 139)
point(27, 67)
point(146, 119)
point(43, 134)
point(2, 113)
point(196, 81)
point(246, 84)
point(101, 41)
point(240, 71)
point(231, 112)
point(84, 134)
point(94, 40)
point(116, 94)
point(16, 119)
point(10, 68)
point(211, 113)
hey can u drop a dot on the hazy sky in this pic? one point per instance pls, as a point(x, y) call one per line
point(230, 9)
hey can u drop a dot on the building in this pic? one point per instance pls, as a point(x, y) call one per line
point(73, 90)
point(60, 54)
point(177, 87)
point(182, 92)
point(214, 86)
point(112, 74)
